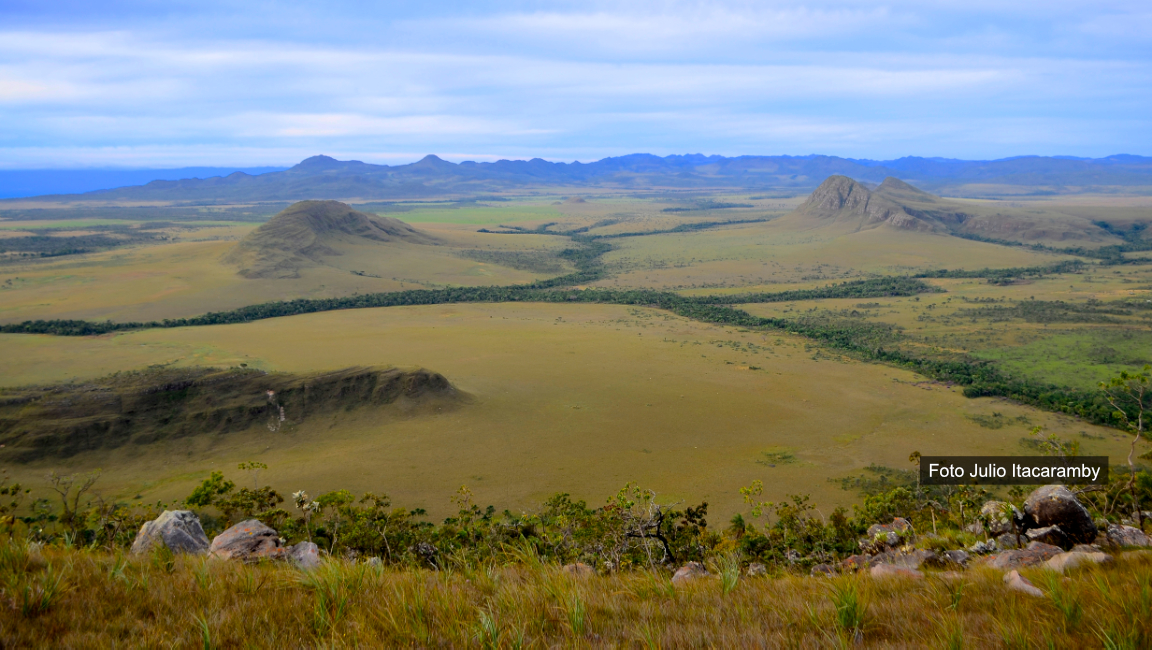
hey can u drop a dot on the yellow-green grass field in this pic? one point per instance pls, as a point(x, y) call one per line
point(576, 398)
point(173, 280)
point(108, 600)
point(768, 253)
point(1068, 353)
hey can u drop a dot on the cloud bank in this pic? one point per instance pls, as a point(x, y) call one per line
point(138, 84)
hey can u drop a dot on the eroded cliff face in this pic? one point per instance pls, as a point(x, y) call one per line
point(163, 403)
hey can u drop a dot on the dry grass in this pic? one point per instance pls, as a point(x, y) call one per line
point(573, 398)
point(77, 598)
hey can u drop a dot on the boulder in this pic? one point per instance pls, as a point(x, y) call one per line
point(1017, 582)
point(1036, 553)
point(823, 570)
point(247, 540)
point(579, 570)
point(912, 559)
point(757, 569)
point(884, 571)
point(1010, 540)
point(375, 562)
point(305, 555)
point(890, 535)
point(178, 530)
point(1064, 562)
point(1051, 535)
point(983, 548)
point(998, 520)
point(689, 572)
point(958, 558)
point(855, 562)
point(1055, 505)
point(1125, 536)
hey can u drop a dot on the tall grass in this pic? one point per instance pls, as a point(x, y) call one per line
point(56, 597)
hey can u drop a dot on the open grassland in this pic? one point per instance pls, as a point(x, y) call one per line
point(72, 598)
point(478, 214)
point(1061, 328)
point(768, 253)
point(580, 398)
point(173, 280)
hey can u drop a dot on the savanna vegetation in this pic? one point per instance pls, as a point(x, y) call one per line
point(566, 572)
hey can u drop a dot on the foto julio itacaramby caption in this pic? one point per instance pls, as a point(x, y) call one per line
point(1013, 470)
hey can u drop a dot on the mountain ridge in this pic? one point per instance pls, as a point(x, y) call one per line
point(324, 177)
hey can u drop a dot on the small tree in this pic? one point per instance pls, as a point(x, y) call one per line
point(1130, 394)
point(253, 468)
point(71, 488)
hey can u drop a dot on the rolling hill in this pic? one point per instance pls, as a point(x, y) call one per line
point(309, 232)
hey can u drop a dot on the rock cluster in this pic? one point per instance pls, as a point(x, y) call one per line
point(180, 531)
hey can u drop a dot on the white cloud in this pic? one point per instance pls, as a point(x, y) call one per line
point(594, 77)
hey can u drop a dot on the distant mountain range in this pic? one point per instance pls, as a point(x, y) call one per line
point(322, 177)
point(16, 183)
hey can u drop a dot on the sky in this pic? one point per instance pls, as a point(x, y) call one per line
point(90, 84)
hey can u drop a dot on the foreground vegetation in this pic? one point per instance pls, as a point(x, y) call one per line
point(87, 598)
point(497, 580)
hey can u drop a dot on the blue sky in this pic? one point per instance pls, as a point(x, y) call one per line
point(172, 84)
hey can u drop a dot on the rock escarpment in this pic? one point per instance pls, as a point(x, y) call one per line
point(166, 403)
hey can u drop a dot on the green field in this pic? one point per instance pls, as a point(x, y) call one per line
point(573, 398)
point(582, 397)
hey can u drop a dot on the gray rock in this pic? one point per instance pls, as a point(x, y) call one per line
point(957, 557)
point(1125, 536)
point(884, 571)
point(1017, 582)
point(305, 555)
point(1051, 535)
point(998, 521)
point(689, 572)
point(757, 569)
point(375, 562)
point(247, 540)
point(983, 548)
point(823, 570)
point(179, 530)
point(1037, 553)
point(914, 559)
point(891, 534)
point(1064, 562)
point(1055, 505)
point(1010, 541)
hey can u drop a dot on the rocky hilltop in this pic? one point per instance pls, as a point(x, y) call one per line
point(843, 205)
point(306, 233)
point(841, 201)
